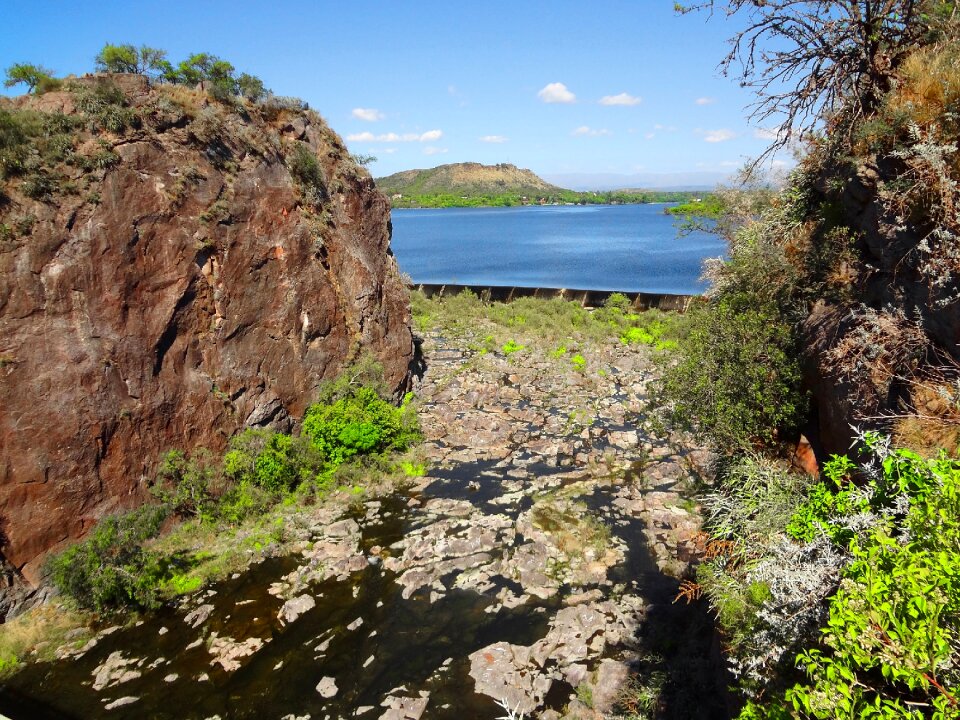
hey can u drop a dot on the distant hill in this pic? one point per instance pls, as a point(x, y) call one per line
point(468, 180)
point(474, 185)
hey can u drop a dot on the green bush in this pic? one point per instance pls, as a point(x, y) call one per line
point(111, 570)
point(106, 107)
point(891, 646)
point(185, 484)
point(306, 171)
point(737, 381)
point(359, 423)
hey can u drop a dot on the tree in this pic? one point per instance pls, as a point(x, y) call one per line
point(118, 59)
point(809, 59)
point(251, 87)
point(35, 77)
point(127, 58)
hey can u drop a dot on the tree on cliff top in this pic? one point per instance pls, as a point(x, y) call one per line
point(35, 77)
point(127, 58)
point(808, 59)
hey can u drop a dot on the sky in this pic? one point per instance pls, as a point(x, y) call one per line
point(576, 90)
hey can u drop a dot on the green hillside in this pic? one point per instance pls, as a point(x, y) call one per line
point(475, 185)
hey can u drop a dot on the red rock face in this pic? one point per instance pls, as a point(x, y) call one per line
point(197, 297)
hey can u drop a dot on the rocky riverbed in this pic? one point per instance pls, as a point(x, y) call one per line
point(533, 565)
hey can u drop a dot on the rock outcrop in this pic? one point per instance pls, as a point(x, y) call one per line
point(893, 333)
point(185, 285)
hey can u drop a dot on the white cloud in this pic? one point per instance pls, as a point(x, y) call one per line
point(430, 150)
point(428, 136)
point(389, 151)
point(650, 136)
point(766, 133)
point(556, 93)
point(493, 139)
point(665, 128)
point(367, 114)
point(705, 101)
point(621, 99)
point(591, 132)
point(717, 136)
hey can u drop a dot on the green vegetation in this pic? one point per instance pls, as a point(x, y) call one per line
point(558, 196)
point(475, 185)
point(562, 324)
point(38, 79)
point(710, 206)
point(351, 432)
point(837, 597)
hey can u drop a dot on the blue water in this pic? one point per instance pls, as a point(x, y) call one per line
point(599, 247)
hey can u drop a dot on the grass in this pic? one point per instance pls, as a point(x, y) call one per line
point(559, 328)
point(37, 634)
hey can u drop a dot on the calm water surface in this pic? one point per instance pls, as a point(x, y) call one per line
point(601, 247)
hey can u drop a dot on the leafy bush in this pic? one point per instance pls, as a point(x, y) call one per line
point(892, 642)
point(106, 107)
point(359, 423)
point(306, 171)
point(111, 569)
point(186, 485)
point(737, 381)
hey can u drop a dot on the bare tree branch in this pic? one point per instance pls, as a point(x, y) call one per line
point(822, 60)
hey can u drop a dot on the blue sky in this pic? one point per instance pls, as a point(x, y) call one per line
point(558, 87)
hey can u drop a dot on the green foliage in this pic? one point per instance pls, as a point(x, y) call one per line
point(251, 87)
point(111, 569)
point(126, 58)
point(892, 641)
point(306, 171)
point(118, 59)
point(710, 206)
point(13, 143)
point(37, 78)
point(737, 381)
point(185, 484)
point(106, 107)
point(579, 362)
point(511, 347)
point(357, 424)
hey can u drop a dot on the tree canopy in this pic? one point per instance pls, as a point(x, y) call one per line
point(35, 77)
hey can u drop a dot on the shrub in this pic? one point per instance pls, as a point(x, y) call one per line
point(111, 569)
point(737, 381)
point(106, 107)
point(357, 424)
point(185, 484)
point(306, 171)
point(892, 642)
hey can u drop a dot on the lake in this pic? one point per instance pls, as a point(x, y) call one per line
point(597, 247)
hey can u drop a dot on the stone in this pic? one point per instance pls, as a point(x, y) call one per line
point(294, 608)
point(120, 702)
point(197, 617)
point(115, 670)
point(228, 652)
point(327, 687)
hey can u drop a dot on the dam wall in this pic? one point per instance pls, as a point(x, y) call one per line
point(587, 298)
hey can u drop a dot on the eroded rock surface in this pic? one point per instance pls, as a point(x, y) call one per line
point(184, 293)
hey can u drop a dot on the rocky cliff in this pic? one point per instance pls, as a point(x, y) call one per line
point(883, 353)
point(171, 271)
